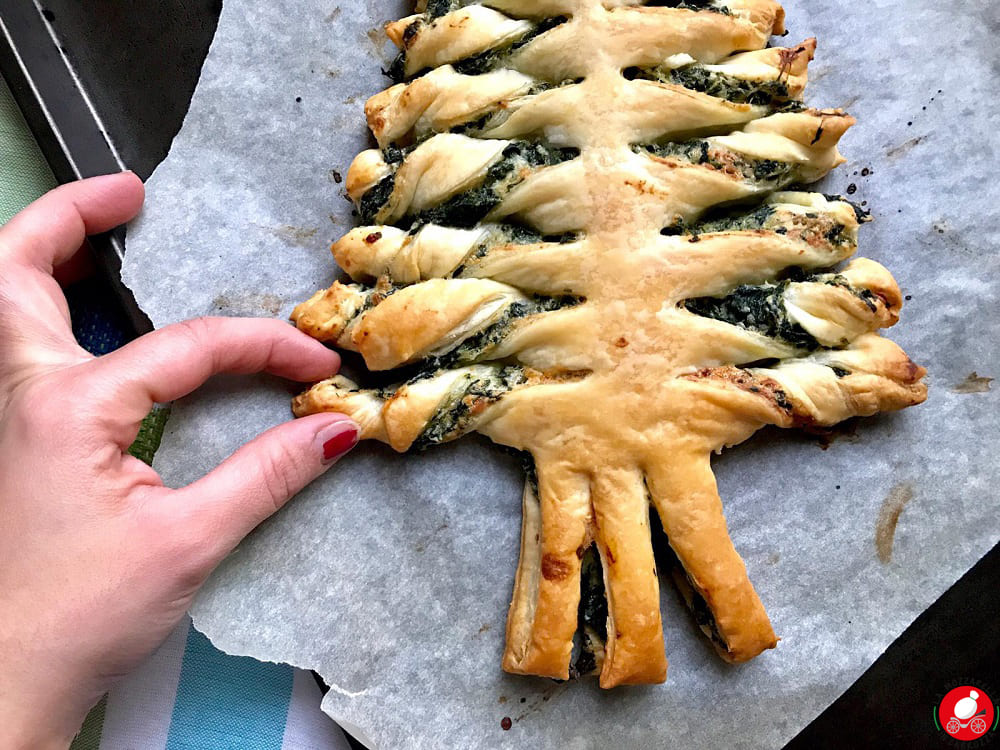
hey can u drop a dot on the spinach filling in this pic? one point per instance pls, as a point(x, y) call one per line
point(512, 234)
point(473, 65)
point(861, 214)
point(376, 197)
point(762, 308)
point(756, 308)
point(481, 343)
point(500, 113)
point(667, 560)
point(469, 208)
point(811, 227)
point(438, 8)
point(592, 614)
point(468, 397)
point(518, 234)
point(713, 5)
point(702, 614)
point(759, 218)
point(766, 172)
point(769, 93)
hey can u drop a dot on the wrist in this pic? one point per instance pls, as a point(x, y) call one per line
point(21, 730)
point(33, 717)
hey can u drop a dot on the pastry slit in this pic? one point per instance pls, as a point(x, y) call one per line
point(592, 632)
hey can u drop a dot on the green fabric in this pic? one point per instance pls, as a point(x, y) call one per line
point(89, 736)
point(150, 433)
point(24, 173)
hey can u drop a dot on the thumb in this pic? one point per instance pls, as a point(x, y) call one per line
point(264, 474)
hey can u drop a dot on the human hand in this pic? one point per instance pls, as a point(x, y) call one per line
point(98, 560)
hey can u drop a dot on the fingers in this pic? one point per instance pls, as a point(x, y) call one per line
point(261, 477)
point(714, 579)
point(50, 231)
point(170, 363)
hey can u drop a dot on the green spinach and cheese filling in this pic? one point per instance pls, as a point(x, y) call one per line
point(473, 188)
point(792, 311)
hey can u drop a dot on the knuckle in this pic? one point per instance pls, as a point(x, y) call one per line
point(195, 331)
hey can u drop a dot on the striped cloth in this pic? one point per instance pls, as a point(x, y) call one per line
point(188, 695)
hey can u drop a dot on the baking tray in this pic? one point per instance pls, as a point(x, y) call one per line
point(105, 86)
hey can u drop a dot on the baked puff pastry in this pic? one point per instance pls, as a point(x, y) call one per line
point(581, 226)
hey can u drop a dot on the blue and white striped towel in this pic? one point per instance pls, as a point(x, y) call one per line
point(190, 696)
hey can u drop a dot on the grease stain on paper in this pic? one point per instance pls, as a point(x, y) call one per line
point(973, 383)
point(247, 305)
point(292, 234)
point(904, 147)
point(888, 517)
point(537, 702)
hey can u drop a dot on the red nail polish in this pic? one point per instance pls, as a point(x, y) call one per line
point(339, 444)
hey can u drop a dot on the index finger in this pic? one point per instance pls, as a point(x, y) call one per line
point(51, 230)
point(170, 363)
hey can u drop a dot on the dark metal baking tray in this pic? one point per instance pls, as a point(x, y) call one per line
point(105, 85)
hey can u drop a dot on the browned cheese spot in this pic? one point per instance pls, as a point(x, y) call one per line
point(554, 569)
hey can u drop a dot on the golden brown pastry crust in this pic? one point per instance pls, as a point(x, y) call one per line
point(634, 328)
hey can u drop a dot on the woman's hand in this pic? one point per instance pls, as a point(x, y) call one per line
point(98, 560)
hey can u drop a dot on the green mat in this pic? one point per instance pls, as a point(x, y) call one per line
point(24, 173)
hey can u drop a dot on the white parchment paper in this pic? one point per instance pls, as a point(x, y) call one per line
point(391, 576)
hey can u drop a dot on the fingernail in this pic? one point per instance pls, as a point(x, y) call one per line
point(336, 440)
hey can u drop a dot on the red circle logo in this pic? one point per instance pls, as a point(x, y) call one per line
point(966, 713)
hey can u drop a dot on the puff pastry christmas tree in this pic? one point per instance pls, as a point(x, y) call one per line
point(576, 224)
